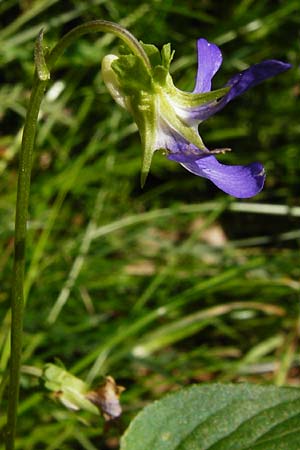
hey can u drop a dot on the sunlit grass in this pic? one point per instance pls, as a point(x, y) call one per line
point(167, 286)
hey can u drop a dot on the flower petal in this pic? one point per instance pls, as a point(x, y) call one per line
point(176, 141)
point(238, 181)
point(209, 61)
point(243, 81)
point(240, 83)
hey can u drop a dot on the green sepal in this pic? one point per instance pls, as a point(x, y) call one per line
point(167, 56)
point(145, 115)
point(151, 51)
point(153, 54)
point(161, 69)
point(132, 74)
point(160, 75)
point(189, 99)
point(193, 100)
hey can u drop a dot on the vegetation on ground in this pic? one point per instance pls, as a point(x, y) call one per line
point(167, 286)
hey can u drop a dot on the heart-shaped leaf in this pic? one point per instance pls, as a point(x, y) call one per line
point(219, 417)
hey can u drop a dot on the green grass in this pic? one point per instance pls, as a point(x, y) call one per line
point(164, 286)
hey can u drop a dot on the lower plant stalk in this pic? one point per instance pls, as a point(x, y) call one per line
point(17, 296)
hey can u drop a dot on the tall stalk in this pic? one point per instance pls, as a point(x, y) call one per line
point(42, 75)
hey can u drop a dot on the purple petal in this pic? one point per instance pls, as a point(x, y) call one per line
point(238, 181)
point(209, 61)
point(240, 83)
point(243, 81)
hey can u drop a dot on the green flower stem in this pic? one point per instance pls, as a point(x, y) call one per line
point(94, 27)
point(44, 65)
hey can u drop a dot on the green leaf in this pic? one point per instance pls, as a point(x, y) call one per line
point(219, 417)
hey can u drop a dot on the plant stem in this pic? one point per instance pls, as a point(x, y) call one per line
point(23, 191)
point(94, 27)
point(17, 298)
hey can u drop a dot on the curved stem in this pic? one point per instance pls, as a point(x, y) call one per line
point(23, 191)
point(93, 27)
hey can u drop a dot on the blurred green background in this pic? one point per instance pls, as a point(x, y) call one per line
point(161, 287)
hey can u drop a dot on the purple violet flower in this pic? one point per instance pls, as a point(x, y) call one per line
point(168, 118)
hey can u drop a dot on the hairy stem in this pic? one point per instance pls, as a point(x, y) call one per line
point(23, 190)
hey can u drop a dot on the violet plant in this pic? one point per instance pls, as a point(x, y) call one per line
point(167, 118)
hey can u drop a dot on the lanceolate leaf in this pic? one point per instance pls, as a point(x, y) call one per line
point(219, 417)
